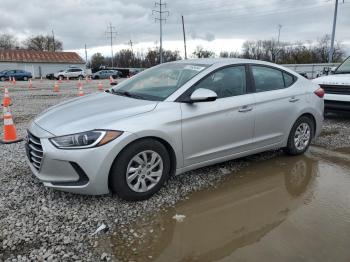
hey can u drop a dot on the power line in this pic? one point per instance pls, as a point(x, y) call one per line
point(160, 18)
point(111, 33)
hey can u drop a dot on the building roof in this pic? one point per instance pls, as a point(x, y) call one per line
point(29, 56)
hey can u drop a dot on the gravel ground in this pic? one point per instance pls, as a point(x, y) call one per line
point(335, 133)
point(37, 223)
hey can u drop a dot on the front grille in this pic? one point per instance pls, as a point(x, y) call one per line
point(336, 89)
point(34, 150)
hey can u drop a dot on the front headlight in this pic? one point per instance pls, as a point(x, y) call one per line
point(85, 140)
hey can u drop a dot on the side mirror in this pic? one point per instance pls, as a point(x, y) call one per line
point(203, 95)
point(333, 69)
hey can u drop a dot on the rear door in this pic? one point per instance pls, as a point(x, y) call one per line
point(212, 130)
point(277, 98)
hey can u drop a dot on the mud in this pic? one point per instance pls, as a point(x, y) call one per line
point(280, 209)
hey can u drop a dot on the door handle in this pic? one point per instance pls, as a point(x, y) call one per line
point(244, 109)
point(293, 99)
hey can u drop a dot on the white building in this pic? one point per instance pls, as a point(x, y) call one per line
point(39, 63)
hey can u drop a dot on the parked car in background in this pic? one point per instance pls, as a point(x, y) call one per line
point(17, 74)
point(50, 76)
point(71, 73)
point(336, 87)
point(170, 119)
point(104, 74)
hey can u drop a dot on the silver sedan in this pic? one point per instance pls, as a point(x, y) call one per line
point(170, 119)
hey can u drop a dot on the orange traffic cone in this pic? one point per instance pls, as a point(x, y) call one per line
point(110, 79)
point(13, 80)
point(6, 100)
point(67, 78)
point(79, 84)
point(56, 88)
point(30, 84)
point(10, 134)
point(100, 86)
point(60, 80)
point(80, 92)
point(41, 79)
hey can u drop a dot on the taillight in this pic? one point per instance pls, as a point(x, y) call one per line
point(319, 92)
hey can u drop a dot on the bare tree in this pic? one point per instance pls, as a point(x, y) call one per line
point(97, 60)
point(8, 41)
point(201, 53)
point(42, 43)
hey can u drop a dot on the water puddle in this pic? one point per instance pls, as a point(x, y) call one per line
point(281, 209)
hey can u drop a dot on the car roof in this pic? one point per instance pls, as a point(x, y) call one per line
point(230, 61)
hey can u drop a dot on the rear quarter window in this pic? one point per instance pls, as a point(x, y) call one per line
point(288, 79)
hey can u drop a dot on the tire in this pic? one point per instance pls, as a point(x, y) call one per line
point(25, 78)
point(60, 77)
point(125, 161)
point(3, 79)
point(80, 77)
point(302, 123)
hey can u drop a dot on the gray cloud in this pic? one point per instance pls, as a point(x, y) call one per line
point(80, 22)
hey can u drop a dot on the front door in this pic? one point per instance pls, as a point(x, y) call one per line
point(212, 130)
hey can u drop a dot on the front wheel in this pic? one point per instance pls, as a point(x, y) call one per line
point(140, 170)
point(80, 77)
point(25, 78)
point(3, 79)
point(300, 136)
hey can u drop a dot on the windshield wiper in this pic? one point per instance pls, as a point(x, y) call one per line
point(127, 94)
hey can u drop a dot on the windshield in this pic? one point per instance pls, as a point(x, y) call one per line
point(344, 67)
point(4, 71)
point(159, 82)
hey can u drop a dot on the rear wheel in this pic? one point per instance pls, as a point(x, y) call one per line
point(300, 136)
point(80, 77)
point(140, 170)
point(3, 78)
point(25, 78)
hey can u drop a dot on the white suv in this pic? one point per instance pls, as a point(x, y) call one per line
point(70, 73)
point(337, 88)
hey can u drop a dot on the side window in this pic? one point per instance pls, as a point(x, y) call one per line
point(226, 82)
point(69, 70)
point(267, 79)
point(288, 79)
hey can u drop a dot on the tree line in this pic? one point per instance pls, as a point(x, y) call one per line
point(36, 43)
point(285, 52)
point(266, 50)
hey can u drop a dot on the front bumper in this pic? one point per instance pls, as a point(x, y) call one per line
point(83, 171)
point(337, 102)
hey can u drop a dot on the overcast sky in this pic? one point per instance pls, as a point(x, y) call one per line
point(214, 24)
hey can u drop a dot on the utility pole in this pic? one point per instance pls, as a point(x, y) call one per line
point(131, 43)
point(86, 61)
point(161, 18)
point(111, 33)
point(279, 34)
point(278, 41)
point(184, 34)
point(53, 39)
point(331, 51)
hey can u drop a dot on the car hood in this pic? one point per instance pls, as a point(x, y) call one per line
point(340, 79)
point(95, 111)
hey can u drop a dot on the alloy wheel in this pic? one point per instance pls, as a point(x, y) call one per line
point(302, 136)
point(144, 171)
